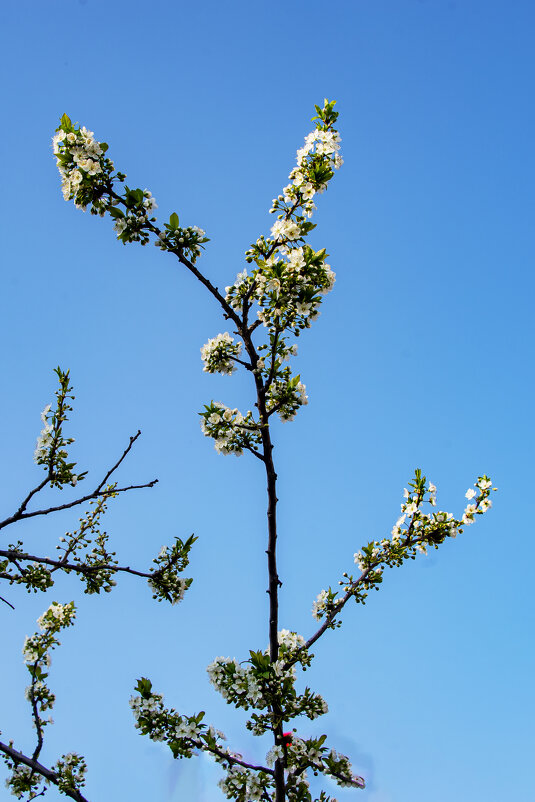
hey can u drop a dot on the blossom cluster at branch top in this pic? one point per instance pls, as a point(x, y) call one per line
point(286, 272)
point(58, 616)
point(218, 354)
point(231, 430)
point(170, 562)
point(287, 285)
point(44, 441)
point(316, 162)
point(88, 178)
point(51, 447)
point(84, 168)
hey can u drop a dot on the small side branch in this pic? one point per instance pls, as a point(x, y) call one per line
point(78, 568)
point(21, 513)
point(38, 768)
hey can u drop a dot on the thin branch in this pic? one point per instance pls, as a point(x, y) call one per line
point(121, 458)
point(36, 717)
point(271, 376)
point(228, 310)
point(241, 362)
point(21, 514)
point(230, 758)
point(6, 601)
point(254, 452)
point(32, 493)
point(79, 568)
point(408, 542)
point(48, 774)
point(354, 780)
point(75, 503)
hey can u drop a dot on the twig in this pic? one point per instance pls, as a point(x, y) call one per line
point(20, 514)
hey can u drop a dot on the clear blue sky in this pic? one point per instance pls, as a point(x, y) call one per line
point(422, 358)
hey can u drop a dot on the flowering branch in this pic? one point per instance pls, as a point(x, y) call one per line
point(85, 550)
point(99, 491)
point(19, 763)
point(28, 775)
point(421, 532)
point(285, 286)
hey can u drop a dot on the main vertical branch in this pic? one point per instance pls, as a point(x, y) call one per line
point(271, 551)
point(273, 591)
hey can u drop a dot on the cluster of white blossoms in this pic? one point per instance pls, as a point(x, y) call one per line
point(166, 582)
point(150, 709)
point(131, 224)
point(35, 649)
point(183, 734)
point(414, 531)
point(84, 158)
point(323, 604)
point(231, 431)
point(237, 684)
point(51, 448)
point(290, 641)
point(288, 289)
point(187, 241)
point(44, 441)
point(286, 396)
point(57, 616)
point(321, 148)
point(311, 752)
point(418, 530)
point(83, 166)
point(219, 352)
point(71, 770)
point(245, 784)
point(24, 780)
point(481, 504)
point(265, 685)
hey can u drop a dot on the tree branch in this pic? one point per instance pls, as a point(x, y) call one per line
point(22, 515)
point(79, 568)
point(48, 774)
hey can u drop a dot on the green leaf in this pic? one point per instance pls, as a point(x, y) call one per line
point(66, 123)
point(115, 212)
point(144, 686)
point(173, 221)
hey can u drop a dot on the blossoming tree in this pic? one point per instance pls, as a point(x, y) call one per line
point(267, 306)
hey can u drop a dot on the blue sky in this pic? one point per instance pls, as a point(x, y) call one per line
point(422, 357)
